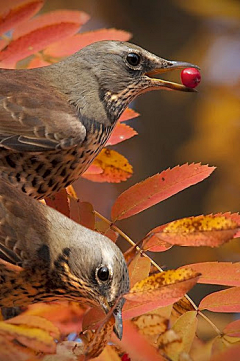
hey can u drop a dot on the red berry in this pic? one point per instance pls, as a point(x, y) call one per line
point(191, 77)
point(125, 357)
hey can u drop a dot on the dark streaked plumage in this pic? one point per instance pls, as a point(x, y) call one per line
point(54, 120)
point(58, 258)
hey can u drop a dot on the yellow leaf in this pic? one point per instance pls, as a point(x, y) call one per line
point(115, 166)
point(155, 283)
point(200, 223)
point(185, 327)
point(34, 338)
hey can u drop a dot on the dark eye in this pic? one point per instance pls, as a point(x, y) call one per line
point(103, 273)
point(133, 59)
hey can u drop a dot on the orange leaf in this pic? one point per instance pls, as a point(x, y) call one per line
point(153, 241)
point(43, 30)
point(114, 165)
point(158, 290)
point(157, 188)
point(104, 228)
point(222, 301)
point(76, 42)
point(94, 169)
point(59, 201)
point(82, 213)
point(136, 345)
point(67, 317)
point(139, 269)
point(230, 353)
point(218, 273)
point(120, 133)
point(108, 354)
point(232, 329)
point(128, 114)
point(16, 11)
point(37, 62)
point(208, 230)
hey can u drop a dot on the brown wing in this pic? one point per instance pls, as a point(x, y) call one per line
point(35, 116)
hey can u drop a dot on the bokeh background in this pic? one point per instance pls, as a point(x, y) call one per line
point(175, 128)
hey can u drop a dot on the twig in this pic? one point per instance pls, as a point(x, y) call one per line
point(130, 241)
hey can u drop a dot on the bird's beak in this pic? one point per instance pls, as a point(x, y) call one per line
point(163, 66)
point(117, 313)
point(118, 327)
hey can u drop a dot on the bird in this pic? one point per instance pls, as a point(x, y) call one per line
point(45, 256)
point(54, 120)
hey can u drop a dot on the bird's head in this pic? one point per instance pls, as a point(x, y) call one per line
point(102, 271)
point(123, 71)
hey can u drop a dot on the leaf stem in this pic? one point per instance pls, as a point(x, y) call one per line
point(130, 241)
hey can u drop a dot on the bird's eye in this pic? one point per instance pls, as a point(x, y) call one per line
point(133, 59)
point(103, 273)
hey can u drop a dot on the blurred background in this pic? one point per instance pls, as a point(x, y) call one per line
point(175, 128)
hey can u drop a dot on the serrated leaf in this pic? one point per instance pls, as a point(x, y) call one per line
point(211, 231)
point(222, 301)
point(13, 12)
point(157, 188)
point(158, 290)
point(218, 273)
point(128, 114)
point(115, 166)
point(76, 42)
point(120, 133)
point(43, 30)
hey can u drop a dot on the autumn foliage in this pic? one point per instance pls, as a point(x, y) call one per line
point(160, 322)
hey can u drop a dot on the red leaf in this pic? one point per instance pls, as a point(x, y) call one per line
point(157, 188)
point(40, 32)
point(222, 301)
point(128, 114)
point(217, 273)
point(82, 213)
point(120, 133)
point(74, 43)
point(16, 11)
point(59, 202)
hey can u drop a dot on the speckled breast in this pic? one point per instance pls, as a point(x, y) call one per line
point(42, 174)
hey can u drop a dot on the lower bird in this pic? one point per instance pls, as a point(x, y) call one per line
point(54, 120)
point(45, 256)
